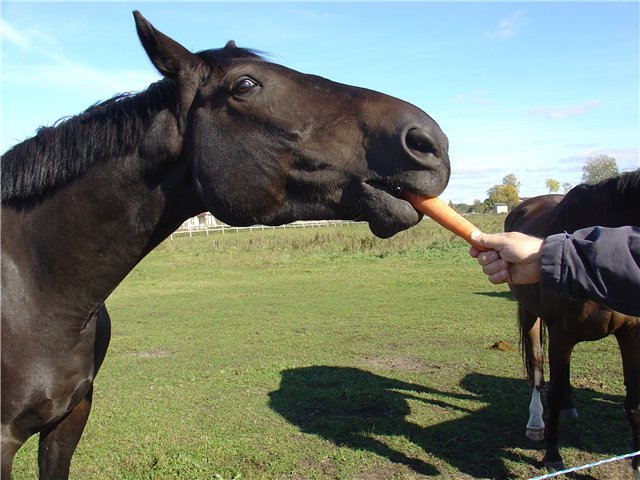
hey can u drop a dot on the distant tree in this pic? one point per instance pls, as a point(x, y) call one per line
point(513, 181)
point(478, 207)
point(598, 168)
point(503, 194)
point(461, 207)
point(552, 185)
point(507, 192)
point(566, 186)
point(456, 207)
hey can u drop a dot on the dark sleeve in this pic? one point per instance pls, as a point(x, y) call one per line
point(596, 263)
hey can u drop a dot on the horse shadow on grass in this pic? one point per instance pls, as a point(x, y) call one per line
point(351, 407)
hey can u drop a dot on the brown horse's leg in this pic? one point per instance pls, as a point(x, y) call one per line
point(559, 356)
point(568, 408)
point(629, 342)
point(534, 361)
point(58, 443)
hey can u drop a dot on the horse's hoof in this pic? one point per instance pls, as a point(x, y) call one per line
point(553, 467)
point(535, 434)
point(571, 413)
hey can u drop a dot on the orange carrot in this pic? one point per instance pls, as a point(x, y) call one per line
point(446, 216)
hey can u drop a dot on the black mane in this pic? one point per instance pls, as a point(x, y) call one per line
point(57, 154)
point(627, 187)
point(114, 128)
point(611, 202)
point(621, 191)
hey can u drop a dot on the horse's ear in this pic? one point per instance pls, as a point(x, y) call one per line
point(168, 56)
point(231, 44)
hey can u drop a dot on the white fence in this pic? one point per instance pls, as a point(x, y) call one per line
point(207, 224)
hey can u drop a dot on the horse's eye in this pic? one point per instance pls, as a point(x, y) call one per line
point(244, 86)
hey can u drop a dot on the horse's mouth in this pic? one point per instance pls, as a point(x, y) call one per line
point(384, 209)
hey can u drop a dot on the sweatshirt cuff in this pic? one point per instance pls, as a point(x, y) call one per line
point(553, 269)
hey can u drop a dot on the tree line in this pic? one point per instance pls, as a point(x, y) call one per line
point(595, 169)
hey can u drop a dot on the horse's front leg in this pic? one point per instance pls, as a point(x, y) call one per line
point(534, 353)
point(559, 356)
point(59, 442)
point(628, 340)
point(9, 447)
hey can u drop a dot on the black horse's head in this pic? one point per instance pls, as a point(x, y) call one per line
point(271, 145)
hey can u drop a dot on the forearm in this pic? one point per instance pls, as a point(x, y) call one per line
point(597, 263)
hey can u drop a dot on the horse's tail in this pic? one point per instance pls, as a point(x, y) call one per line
point(532, 344)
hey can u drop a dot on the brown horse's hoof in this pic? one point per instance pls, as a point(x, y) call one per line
point(535, 434)
point(553, 467)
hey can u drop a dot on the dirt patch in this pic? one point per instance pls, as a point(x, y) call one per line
point(399, 364)
point(325, 468)
point(614, 470)
point(502, 346)
point(588, 382)
point(382, 472)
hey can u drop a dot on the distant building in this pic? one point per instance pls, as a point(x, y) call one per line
point(203, 221)
point(500, 208)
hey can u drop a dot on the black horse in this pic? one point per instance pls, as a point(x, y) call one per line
point(611, 203)
point(226, 131)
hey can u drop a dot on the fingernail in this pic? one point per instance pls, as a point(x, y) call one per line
point(475, 234)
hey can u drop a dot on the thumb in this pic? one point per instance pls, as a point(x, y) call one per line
point(484, 241)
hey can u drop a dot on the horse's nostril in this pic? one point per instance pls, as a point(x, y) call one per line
point(420, 143)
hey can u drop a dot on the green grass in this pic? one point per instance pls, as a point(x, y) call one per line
point(325, 354)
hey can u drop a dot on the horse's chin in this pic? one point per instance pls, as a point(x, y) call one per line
point(385, 213)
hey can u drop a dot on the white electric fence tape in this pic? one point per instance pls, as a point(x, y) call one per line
point(589, 465)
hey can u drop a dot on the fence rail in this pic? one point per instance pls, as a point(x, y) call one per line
point(221, 228)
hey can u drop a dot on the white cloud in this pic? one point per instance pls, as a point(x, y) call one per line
point(558, 113)
point(45, 65)
point(508, 26)
point(10, 35)
point(24, 40)
point(81, 79)
point(37, 67)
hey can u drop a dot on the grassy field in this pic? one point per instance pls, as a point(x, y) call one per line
point(326, 354)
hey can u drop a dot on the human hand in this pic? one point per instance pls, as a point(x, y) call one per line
point(513, 257)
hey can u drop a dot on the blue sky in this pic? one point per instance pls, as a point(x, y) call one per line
point(532, 89)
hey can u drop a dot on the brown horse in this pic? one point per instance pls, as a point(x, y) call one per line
point(225, 131)
point(611, 203)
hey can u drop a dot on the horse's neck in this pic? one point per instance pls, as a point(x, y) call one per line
point(87, 236)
